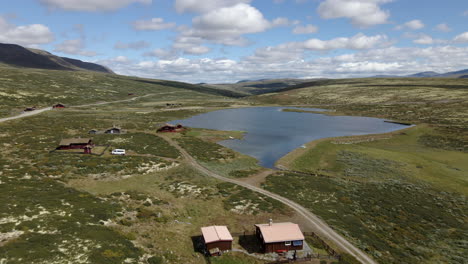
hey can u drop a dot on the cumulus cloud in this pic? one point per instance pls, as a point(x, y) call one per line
point(362, 13)
point(90, 5)
point(424, 39)
point(362, 63)
point(227, 25)
point(74, 47)
point(137, 45)
point(156, 23)
point(357, 42)
point(412, 25)
point(197, 6)
point(307, 29)
point(27, 35)
point(443, 28)
point(283, 21)
point(462, 38)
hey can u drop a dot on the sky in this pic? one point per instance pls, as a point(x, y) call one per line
point(222, 41)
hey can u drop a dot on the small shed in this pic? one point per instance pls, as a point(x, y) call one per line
point(58, 106)
point(92, 132)
point(28, 109)
point(280, 237)
point(76, 143)
point(171, 128)
point(113, 130)
point(217, 239)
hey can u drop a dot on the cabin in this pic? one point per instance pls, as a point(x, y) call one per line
point(93, 132)
point(113, 130)
point(171, 128)
point(279, 237)
point(58, 106)
point(76, 143)
point(217, 239)
point(29, 109)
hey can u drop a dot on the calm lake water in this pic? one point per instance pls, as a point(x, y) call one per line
point(272, 133)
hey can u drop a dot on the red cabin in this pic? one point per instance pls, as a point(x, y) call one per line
point(280, 237)
point(171, 128)
point(76, 143)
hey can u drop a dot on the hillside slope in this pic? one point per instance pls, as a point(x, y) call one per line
point(15, 55)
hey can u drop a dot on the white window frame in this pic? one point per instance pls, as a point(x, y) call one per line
point(287, 243)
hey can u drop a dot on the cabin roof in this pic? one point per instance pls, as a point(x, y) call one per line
point(280, 232)
point(69, 141)
point(216, 233)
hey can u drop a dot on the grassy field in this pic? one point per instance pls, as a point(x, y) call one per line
point(140, 208)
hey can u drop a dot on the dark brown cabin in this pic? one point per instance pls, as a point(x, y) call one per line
point(280, 237)
point(58, 106)
point(171, 128)
point(28, 109)
point(76, 143)
point(217, 239)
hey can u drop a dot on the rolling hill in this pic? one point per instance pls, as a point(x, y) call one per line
point(18, 56)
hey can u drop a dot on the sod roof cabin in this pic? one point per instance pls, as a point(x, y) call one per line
point(76, 143)
point(217, 239)
point(114, 130)
point(171, 128)
point(280, 237)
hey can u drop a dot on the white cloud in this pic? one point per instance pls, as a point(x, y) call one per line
point(362, 13)
point(198, 6)
point(91, 5)
point(357, 42)
point(161, 53)
point(227, 25)
point(462, 38)
point(443, 28)
point(156, 23)
point(424, 39)
point(27, 35)
point(137, 45)
point(74, 47)
point(413, 25)
point(283, 21)
point(290, 64)
point(307, 29)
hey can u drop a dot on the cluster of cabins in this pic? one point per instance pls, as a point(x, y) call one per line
point(87, 144)
point(274, 237)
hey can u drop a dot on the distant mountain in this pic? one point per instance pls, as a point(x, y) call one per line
point(261, 86)
point(424, 74)
point(16, 55)
point(429, 74)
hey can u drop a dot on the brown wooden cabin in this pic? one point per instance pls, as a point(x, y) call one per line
point(76, 143)
point(279, 237)
point(58, 106)
point(28, 109)
point(171, 128)
point(217, 239)
point(113, 130)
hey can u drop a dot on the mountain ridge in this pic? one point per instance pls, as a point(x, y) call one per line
point(19, 56)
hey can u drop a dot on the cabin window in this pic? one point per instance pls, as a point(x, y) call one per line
point(287, 243)
point(297, 243)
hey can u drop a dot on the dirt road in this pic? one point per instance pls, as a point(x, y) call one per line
point(319, 226)
point(38, 111)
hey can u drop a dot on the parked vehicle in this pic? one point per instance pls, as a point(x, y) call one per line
point(118, 152)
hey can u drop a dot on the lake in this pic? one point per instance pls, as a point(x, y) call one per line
point(273, 133)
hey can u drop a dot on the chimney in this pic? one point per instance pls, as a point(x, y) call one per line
point(270, 222)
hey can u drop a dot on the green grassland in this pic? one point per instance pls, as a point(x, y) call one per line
point(21, 88)
point(140, 208)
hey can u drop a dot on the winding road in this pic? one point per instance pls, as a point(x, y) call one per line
point(320, 227)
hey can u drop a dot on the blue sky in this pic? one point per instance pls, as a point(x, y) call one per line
point(229, 40)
